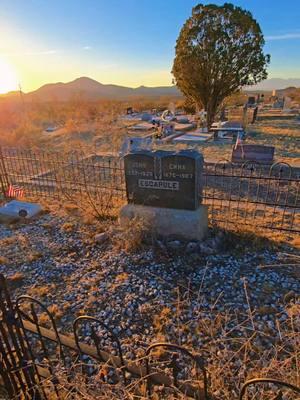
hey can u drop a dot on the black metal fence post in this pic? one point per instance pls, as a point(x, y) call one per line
point(4, 182)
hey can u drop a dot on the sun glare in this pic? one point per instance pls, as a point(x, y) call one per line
point(8, 77)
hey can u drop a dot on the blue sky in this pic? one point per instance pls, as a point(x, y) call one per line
point(129, 42)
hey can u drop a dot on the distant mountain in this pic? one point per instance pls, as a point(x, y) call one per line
point(275, 83)
point(92, 90)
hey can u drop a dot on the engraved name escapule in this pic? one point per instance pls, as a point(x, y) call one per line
point(157, 184)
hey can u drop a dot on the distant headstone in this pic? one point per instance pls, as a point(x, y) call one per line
point(278, 103)
point(251, 100)
point(164, 179)
point(253, 152)
point(287, 103)
point(135, 143)
point(146, 117)
point(254, 116)
point(223, 115)
point(182, 120)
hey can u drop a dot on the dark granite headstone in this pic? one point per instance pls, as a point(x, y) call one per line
point(253, 152)
point(254, 116)
point(251, 100)
point(164, 179)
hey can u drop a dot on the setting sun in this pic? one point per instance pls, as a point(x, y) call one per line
point(8, 77)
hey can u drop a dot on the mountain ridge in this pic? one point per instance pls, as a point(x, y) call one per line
point(276, 84)
point(90, 89)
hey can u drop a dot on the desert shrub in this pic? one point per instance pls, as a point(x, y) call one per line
point(131, 236)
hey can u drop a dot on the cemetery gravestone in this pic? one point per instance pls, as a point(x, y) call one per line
point(253, 152)
point(254, 116)
point(135, 144)
point(164, 179)
point(251, 101)
point(164, 188)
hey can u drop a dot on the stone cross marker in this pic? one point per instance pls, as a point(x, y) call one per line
point(164, 179)
point(253, 152)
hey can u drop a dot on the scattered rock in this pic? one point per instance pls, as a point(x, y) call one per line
point(138, 294)
point(191, 247)
point(291, 295)
point(174, 245)
point(205, 249)
point(161, 245)
point(101, 237)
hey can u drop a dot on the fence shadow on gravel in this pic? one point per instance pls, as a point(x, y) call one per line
point(39, 362)
point(248, 195)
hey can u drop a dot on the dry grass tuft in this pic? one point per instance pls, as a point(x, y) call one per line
point(3, 260)
point(17, 277)
point(295, 242)
point(131, 236)
point(68, 227)
point(55, 311)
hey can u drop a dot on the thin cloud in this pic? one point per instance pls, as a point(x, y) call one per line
point(33, 53)
point(49, 52)
point(42, 52)
point(284, 36)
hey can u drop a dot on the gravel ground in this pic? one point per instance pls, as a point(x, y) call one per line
point(214, 296)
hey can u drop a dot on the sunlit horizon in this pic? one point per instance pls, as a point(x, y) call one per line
point(8, 77)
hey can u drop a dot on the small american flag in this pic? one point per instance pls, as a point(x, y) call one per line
point(238, 141)
point(15, 191)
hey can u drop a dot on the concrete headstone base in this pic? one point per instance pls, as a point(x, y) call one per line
point(169, 222)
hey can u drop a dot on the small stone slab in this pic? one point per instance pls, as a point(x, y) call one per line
point(253, 152)
point(19, 209)
point(194, 137)
point(183, 127)
point(144, 126)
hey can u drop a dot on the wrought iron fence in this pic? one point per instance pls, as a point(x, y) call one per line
point(41, 363)
point(251, 194)
point(38, 362)
point(51, 174)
